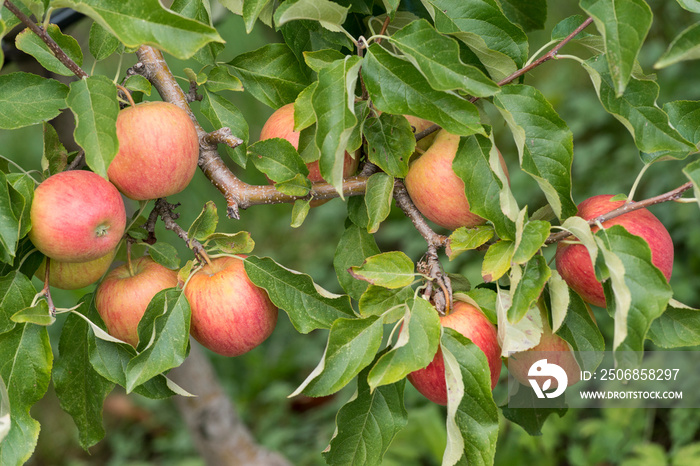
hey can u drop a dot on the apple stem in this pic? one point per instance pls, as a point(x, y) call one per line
point(127, 94)
point(46, 291)
point(203, 254)
point(128, 258)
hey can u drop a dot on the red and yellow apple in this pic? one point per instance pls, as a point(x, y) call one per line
point(158, 151)
point(124, 294)
point(574, 263)
point(419, 125)
point(473, 324)
point(77, 216)
point(230, 315)
point(436, 190)
point(281, 125)
point(75, 275)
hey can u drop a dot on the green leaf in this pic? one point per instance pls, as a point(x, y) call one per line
point(37, 315)
point(309, 306)
point(299, 212)
point(21, 188)
point(530, 15)
point(102, 43)
point(220, 79)
point(223, 114)
point(488, 193)
point(678, 326)
point(690, 5)
point(437, 57)
point(28, 99)
point(93, 101)
point(55, 156)
point(146, 22)
point(472, 415)
point(684, 115)
point(685, 46)
point(352, 344)
point(485, 299)
point(30, 43)
point(199, 10)
point(80, 389)
point(316, 60)
point(526, 289)
point(497, 260)
point(415, 348)
point(582, 333)
point(333, 103)
point(390, 143)
point(567, 26)
point(165, 254)
point(272, 74)
point(251, 12)
point(545, 143)
point(329, 14)
point(378, 196)
point(16, 293)
point(530, 240)
point(205, 224)
point(367, 424)
point(278, 159)
point(306, 36)
point(636, 109)
point(624, 25)
point(9, 224)
point(230, 243)
point(377, 300)
point(26, 358)
point(482, 26)
point(304, 115)
point(520, 336)
point(466, 239)
point(649, 290)
point(355, 245)
point(164, 332)
point(397, 87)
point(532, 415)
point(389, 269)
point(138, 83)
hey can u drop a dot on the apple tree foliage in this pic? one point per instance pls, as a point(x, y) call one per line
point(351, 69)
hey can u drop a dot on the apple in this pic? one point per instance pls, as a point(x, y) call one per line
point(158, 151)
point(419, 124)
point(230, 315)
point(551, 347)
point(77, 216)
point(436, 190)
point(124, 294)
point(473, 324)
point(281, 125)
point(75, 275)
point(574, 263)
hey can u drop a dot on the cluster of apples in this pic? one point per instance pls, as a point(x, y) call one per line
point(78, 220)
point(439, 194)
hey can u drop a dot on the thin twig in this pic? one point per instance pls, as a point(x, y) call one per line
point(165, 212)
point(631, 206)
point(223, 136)
point(43, 35)
point(403, 200)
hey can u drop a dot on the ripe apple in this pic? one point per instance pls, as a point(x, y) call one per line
point(436, 190)
point(230, 315)
point(419, 124)
point(158, 151)
point(473, 324)
point(124, 294)
point(77, 216)
point(574, 263)
point(281, 125)
point(557, 351)
point(75, 275)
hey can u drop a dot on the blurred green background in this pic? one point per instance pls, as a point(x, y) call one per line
point(146, 432)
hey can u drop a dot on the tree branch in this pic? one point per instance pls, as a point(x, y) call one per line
point(53, 46)
point(238, 194)
point(631, 206)
point(164, 210)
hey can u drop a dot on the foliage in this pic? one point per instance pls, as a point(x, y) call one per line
point(352, 69)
